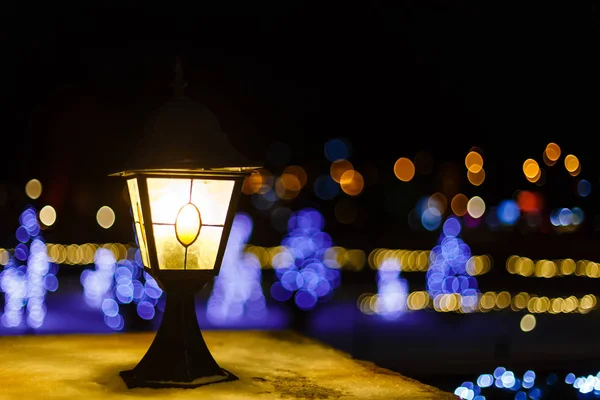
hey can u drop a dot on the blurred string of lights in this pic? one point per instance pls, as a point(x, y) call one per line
point(266, 189)
point(527, 386)
point(27, 273)
point(237, 290)
point(302, 270)
point(543, 268)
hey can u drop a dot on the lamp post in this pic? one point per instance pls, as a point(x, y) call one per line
point(184, 183)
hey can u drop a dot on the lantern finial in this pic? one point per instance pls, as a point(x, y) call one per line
point(178, 83)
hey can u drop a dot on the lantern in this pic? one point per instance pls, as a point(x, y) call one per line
point(183, 201)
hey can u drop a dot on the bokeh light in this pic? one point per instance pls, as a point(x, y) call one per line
point(552, 152)
point(105, 217)
point(531, 169)
point(404, 169)
point(584, 188)
point(476, 178)
point(459, 204)
point(352, 183)
point(474, 162)
point(508, 212)
point(571, 163)
point(338, 168)
point(476, 207)
point(337, 149)
point(528, 323)
point(33, 189)
point(48, 215)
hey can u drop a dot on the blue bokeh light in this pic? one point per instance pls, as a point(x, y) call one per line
point(508, 212)
point(300, 266)
point(584, 188)
point(237, 292)
point(337, 149)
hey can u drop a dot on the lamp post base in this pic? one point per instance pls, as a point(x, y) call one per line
point(178, 356)
point(133, 381)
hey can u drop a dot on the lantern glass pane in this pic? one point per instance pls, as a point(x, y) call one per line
point(138, 219)
point(167, 197)
point(170, 253)
point(188, 216)
point(212, 197)
point(202, 254)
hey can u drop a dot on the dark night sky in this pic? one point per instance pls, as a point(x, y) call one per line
point(392, 78)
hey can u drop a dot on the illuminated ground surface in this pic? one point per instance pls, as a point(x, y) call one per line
point(437, 348)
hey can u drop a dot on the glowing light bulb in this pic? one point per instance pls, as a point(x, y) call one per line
point(187, 224)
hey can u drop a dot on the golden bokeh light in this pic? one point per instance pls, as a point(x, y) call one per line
point(338, 168)
point(476, 207)
point(571, 163)
point(105, 217)
point(298, 172)
point(474, 162)
point(287, 186)
point(459, 204)
point(528, 323)
point(552, 152)
point(476, 178)
point(252, 183)
point(352, 182)
point(404, 169)
point(33, 189)
point(48, 215)
point(531, 169)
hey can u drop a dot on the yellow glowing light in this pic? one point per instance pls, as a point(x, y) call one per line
point(404, 169)
point(298, 172)
point(571, 163)
point(105, 217)
point(339, 168)
point(352, 182)
point(187, 220)
point(48, 215)
point(459, 204)
point(474, 162)
point(552, 152)
point(476, 207)
point(33, 189)
point(528, 323)
point(476, 178)
point(187, 224)
point(252, 183)
point(287, 186)
point(531, 168)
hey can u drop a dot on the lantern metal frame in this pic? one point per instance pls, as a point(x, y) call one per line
point(168, 275)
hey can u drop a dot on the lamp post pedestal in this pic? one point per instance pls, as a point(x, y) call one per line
point(178, 356)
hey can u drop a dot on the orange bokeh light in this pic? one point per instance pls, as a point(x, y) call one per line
point(338, 168)
point(459, 204)
point(404, 169)
point(571, 163)
point(298, 172)
point(552, 152)
point(531, 169)
point(352, 183)
point(474, 162)
point(476, 178)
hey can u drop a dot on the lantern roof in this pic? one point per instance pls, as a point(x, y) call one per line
point(184, 134)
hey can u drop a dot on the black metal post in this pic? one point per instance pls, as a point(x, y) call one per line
point(178, 356)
